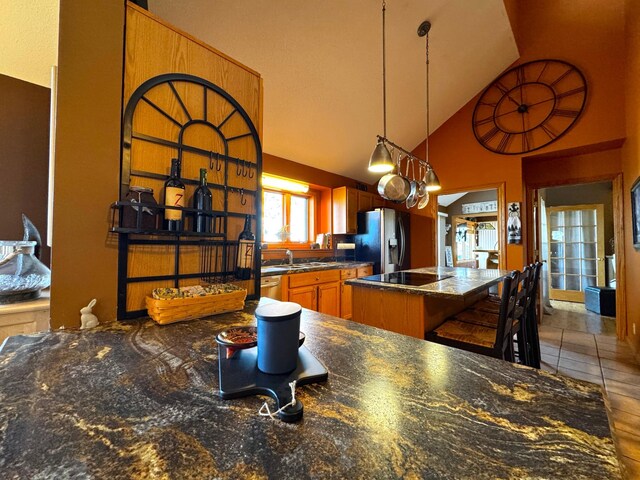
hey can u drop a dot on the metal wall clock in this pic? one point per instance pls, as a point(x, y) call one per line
point(529, 107)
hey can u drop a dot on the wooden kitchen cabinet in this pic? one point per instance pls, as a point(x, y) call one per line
point(365, 271)
point(329, 298)
point(365, 201)
point(305, 296)
point(319, 291)
point(346, 296)
point(347, 202)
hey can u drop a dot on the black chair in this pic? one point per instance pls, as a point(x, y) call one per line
point(495, 341)
point(485, 312)
point(532, 318)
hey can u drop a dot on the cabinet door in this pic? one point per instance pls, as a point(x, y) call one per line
point(305, 296)
point(329, 298)
point(345, 301)
point(365, 201)
point(352, 211)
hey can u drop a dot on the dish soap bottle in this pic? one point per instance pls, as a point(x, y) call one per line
point(173, 196)
point(246, 246)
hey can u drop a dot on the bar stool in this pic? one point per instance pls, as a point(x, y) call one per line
point(495, 341)
point(485, 312)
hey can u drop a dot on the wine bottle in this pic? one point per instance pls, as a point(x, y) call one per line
point(174, 197)
point(202, 200)
point(246, 245)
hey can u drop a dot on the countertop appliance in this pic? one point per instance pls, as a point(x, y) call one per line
point(383, 238)
point(415, 279)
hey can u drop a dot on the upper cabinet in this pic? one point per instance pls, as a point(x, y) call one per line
point(347, 202)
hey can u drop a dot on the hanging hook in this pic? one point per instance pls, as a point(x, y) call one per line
point(218, 164)
point(243, 201)
point(210, 160)
point(251, 174)
point(238, 168)
point(245, 169)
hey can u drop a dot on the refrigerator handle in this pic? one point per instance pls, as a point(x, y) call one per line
point(402, 240)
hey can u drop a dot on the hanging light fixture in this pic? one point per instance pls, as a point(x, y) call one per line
point(381, 161)
point(433, 183)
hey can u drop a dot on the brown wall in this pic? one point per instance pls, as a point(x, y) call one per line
point(24, 167)
point(84, 256)
point(587, 33)
point(631, 164)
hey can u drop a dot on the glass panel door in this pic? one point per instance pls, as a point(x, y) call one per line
point(576, 250)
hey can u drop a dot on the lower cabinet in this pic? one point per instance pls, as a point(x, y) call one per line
point(305, 296)
point(324, 291)
point(345, 301)
point(329, 298)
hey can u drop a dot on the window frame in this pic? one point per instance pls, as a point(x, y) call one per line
point(286, 205)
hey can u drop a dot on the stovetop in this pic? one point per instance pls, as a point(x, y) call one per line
point(415, 279)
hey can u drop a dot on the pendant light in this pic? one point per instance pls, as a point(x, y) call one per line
point(432, 181)
point(381, 161)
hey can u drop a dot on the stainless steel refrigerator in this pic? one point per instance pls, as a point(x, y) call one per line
point(383, 238)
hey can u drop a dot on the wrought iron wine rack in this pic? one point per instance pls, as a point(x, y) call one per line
point(217, 251)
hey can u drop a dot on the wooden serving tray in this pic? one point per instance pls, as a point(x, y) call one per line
point(179, 309)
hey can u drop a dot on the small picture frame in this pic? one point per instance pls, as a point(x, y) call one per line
point(635, 212)
point(514, 224)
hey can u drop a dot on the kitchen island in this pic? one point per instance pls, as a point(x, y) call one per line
point(138, 400)
point(414, 309)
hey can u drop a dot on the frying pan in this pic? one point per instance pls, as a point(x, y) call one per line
point(394, 187)
point(412, 198)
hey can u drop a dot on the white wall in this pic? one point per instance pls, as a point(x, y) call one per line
point(29, 39)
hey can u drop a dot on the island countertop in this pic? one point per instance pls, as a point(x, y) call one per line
point(138, 400)
point(462, 282)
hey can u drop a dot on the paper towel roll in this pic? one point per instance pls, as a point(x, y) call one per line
point(346, 246)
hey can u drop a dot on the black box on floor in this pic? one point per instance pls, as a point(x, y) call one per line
point(600, 300)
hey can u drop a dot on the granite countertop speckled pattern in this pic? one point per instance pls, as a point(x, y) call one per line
point(463, 282)
point(310, 267)
point(139, 400)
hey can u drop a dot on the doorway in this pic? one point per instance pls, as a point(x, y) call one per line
point(470, 228)
point(574, 234)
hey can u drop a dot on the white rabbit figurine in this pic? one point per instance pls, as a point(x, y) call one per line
point(88, 319)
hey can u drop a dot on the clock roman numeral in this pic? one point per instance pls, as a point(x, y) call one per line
point(488, 104)
point(489, 135)
point(525, 141)
point(550, 133)
point(489, 119)
point(520, 78)
point(563, 112)
point(501, 87)
point(568, 93)
point(559, 79)
point(504, 142)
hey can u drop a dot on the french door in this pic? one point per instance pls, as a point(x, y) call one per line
point(576, 250)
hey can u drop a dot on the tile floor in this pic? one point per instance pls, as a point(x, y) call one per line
point(582, 344)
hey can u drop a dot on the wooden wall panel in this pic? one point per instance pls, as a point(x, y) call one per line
point(154, 48)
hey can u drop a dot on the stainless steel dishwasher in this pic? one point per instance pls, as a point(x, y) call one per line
point(271, 287)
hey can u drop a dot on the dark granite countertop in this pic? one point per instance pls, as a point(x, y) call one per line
point(140, 400)
point(309, 267)
point(461, 283)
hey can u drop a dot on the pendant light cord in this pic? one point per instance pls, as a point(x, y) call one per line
point(384, 72)
point(426, 141)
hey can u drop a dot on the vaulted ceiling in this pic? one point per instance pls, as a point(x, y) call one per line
point(321, 62)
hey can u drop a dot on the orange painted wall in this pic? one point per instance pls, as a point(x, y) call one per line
point(290, 169)
point(631, 164)
point(587, 33)
point(577, 168)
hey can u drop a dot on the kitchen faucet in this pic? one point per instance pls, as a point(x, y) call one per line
point(289, 254)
